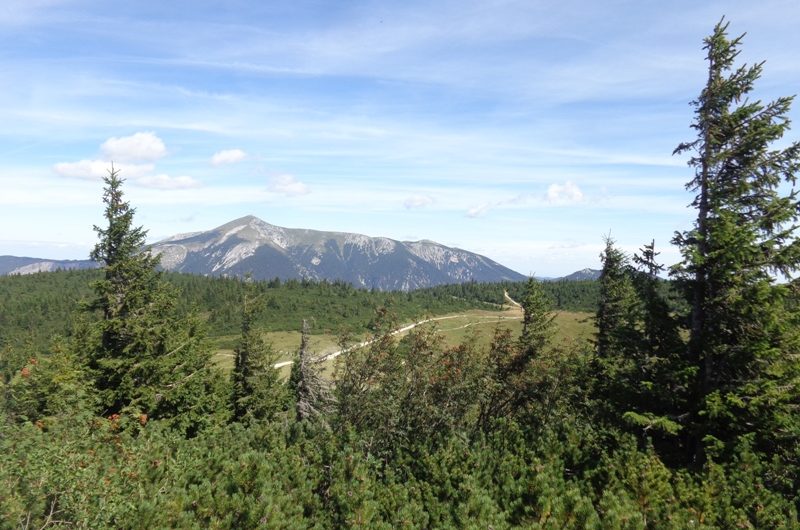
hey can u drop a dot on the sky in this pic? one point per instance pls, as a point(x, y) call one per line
point(526, 131)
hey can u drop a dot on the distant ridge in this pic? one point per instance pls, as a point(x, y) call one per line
point(23, 265)
point(251, 246)
point(581, 275)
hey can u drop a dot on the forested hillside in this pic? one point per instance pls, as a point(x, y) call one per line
point(35, 307)
point(677, 415)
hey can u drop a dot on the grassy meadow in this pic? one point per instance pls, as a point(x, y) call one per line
point(572, 328)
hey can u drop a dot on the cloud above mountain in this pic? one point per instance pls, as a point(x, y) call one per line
point(287, 185)
point(137, 154)
point(141, 146)
point(564, 194)
point(228, 156)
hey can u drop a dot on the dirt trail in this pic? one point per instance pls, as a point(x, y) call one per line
point(333, 355)
point(511, 300)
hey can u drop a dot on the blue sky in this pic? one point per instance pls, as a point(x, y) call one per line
point(521, 130)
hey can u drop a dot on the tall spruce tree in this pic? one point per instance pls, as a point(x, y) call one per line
point(617, 310)
point(661, 374)
point(741, 339)
point(144, 359)
point(258, 393)
point(660, 331)
point(616, 361)
point(537, 319)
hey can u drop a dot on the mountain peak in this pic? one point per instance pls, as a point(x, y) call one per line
point(242, 221)
point(250, 245)
point(583, 274)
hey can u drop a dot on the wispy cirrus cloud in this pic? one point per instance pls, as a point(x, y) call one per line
point(166, 182)
point(479, 211)
point(380, 109)
point(418, 201)
point(97, 169)
point(557, 194)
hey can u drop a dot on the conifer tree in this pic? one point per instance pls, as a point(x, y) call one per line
point(618, 356)
point(144, 360)
point(522, 376)
point(661, 374)
point(617, 310)
point(659, 328)
point(744, 236)
point(258, 393)
point(537, 319)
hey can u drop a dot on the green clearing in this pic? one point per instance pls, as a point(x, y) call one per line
point(572, 329)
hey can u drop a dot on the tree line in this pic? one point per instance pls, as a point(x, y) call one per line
point(34, 308)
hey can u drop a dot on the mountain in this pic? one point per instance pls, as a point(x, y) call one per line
point(583, 274)
point(249, 245)
point(16, 265)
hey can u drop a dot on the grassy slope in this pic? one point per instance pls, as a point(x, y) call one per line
point(572, 329)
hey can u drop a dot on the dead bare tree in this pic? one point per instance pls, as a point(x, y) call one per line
point(313, 397)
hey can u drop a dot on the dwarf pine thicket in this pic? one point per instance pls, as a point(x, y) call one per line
point(683, 412)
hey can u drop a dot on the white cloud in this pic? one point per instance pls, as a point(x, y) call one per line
point(139, 146)
point(418, 201)
point(567, 193)
point(166, 182)
point(478, 211)
point(97, 169)
point(287, 185)
point(228, 156)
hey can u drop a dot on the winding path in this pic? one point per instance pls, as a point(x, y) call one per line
point(333, 355)
point(511, 300)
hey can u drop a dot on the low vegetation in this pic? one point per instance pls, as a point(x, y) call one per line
point(677, 408)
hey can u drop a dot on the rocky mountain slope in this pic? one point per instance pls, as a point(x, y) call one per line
point(252, 246)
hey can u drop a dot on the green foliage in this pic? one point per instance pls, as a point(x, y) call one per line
point(528, 379)
point(258, 393)
point(35, 307)
point(520, 435)
point(143, 359)
point(45, 387)
point(644, 379)
point(564, 295)
point(617, 358)
point(618, 307)
point(537, 319)
point(742, 337)
point(396, 395)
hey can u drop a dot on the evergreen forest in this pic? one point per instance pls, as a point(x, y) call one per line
point(682, 412)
